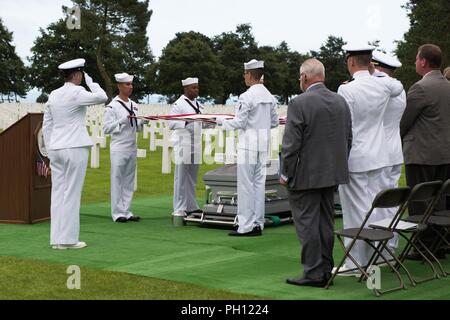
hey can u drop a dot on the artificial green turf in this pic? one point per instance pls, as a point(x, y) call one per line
point(204, 257)
point(201, 256)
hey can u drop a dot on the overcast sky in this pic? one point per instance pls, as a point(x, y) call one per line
point(304, 25)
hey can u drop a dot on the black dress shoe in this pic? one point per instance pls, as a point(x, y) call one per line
point(121, 220)
point(134, 218)
point(256, 232)
point(415, 256)
point(440, 254)
point(307, 282)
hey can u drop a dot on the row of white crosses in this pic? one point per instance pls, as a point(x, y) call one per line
point(157, 132)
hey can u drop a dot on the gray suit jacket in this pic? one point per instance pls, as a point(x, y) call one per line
point(317, 140)
point(425, 125)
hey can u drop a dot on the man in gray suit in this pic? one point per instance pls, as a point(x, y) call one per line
point(315, 150)
point(425, 128)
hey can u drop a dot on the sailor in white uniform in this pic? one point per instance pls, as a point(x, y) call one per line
point(187, 146)
point(68, 142)
point(385, 66)
point(367, 97)
point(255, 115)
point(118, 123)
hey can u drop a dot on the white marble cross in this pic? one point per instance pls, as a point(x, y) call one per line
point(167, 145)
point(97, 141)
point(141, 153)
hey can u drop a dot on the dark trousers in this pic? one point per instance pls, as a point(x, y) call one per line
point(313, 213)
point(416, 174)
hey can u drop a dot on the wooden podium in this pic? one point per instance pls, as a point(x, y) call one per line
point(24, 190)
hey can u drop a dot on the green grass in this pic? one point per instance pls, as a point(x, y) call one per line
point(151, 182)
point(30, 279)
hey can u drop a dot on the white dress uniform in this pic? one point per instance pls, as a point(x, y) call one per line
point(187, 146)
point(123, 153)
point(394, 112)
point(68, 142)
point(367, 97)
point(255, 115)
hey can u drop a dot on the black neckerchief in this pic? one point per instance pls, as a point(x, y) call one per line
point(130, 112)
point(196, 108)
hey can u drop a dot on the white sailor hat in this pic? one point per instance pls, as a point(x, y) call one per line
point(123, 77)
point(253, 64)
point(189, 81)
point(385, 61)
point(357, 50)
point(77, 64)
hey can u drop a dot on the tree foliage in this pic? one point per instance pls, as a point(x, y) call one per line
point(233, 49)
point(12, 69)
point(112, 39)
point(333, 58)
point(429, 23)
point(190, 54)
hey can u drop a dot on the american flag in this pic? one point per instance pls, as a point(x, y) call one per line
point(41, 167)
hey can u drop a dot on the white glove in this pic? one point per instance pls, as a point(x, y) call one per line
point(124, 120)
point(88, 79)
point(220, 120)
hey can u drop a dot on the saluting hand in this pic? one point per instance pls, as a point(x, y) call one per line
point(88, 79)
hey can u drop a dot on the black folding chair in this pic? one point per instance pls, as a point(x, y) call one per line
point(390, 198)
point(426, 192)
point(439, 222)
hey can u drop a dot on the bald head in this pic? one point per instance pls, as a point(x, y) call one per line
point(447, 73)
point(312, 71)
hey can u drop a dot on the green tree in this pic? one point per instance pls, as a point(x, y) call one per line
point(275, 70)
point(291, 60)
point(333, 58)
point(112, 39)
point(232, 50)
point(12, 69)
point(429, 23)
point(43, 98)
point(189, 54)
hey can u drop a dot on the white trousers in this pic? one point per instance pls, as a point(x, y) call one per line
point(123, 169)
point(356, 200)
point(68, 171)
point(251, 189)
point(185, 181)
point(389, 179)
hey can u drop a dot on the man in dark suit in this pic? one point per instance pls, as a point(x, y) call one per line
point(315, 150)
point(425, 128)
